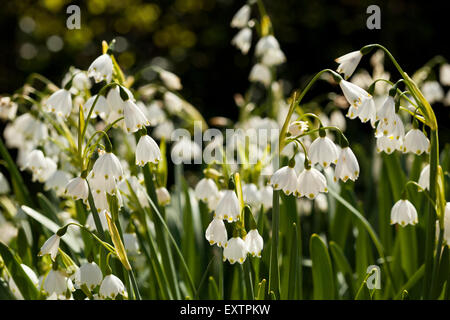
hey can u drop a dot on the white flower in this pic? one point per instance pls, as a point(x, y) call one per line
point(107, 171)
point(147, 150)
point(297, 128)
point(184, 150)
point(273, 57)
point(266, 43)
point(404, 213)
point(260, 73)
point(368, 112)
point(155, 112)
point(4, 184)
point(78, 189)
point(164, 130)
point(284, 179)
point(266, 194)
point(171, 80)
point(50, 246)
point(310, 182)
point(424, 178)
point(416, 142)
point(173, 103)
point(347, 166)
point(90, 223)
point(387, 110)
point(354, 94)
point(134, 117)
point(58, 182)
point(57, 283)
point(216, 233)
point(111, 286)
point(432, 91)
point(243, 40)
point(101, 107)
point(254, 243)
point(348, 63)
point(163, 196)
point(388, 144)
point(393, 128)
point(101, 68)
point(444, 74)
point(228, 207)
point(131, 243)
point(8, 108)
point(89, 275)
point(323, 151)
point(46, 171)
point(35, 161)
point(241, 17)
point(251, 195)
point(60, 102)
point(206, 190)
point(338, 120)
point(235, 250)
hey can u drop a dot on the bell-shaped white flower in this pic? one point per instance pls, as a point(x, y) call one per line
point(57, 283)
point(310, 182)
point(46, 172)
point(432, 91)
point(367, 112)
point(101, 107)
point(216, 233)
point(206, 190)
point(424, 178)
point(266, 43)
point(134, 117)
point(297, 128)
point(147, 150)
point(170, 80)
point(273, 57)
point(58, 182)
point(111, 286)
point(387, 110)
point(50, 247)
point(241, 17)
point(404, 213)
point(60, 102)
point(101, 68)
point(260, 73)
point(172, 102)
point(354, 94)
point(284, 179)
point(347, 166)
point(348, 63)
point(184, 150)
point(89, 275)
point(388, 144)
point(338, 120)
point(251, 195)
point(164, 130)
point(393, 127)
point(266, 194)
point(163, 196)
point(130, 241)
point(323, 151)
point(90, 223)
point(35, 161)
point(243, 40)
point(254, 243)
point(416, 142)
point(235, 251)
point(228, 207)
point(107, 170)
point(8, 108)
point(78, 188)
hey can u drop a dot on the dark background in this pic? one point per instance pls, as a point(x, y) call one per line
point(195, 37)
